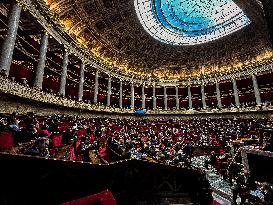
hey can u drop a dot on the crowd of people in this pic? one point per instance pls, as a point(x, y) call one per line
point(168, 141)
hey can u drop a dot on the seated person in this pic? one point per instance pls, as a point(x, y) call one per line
point(40, 148)
point(268, 193)
point(188, 150)
point(212, 160)
point(233, 171)
point(239, 189)
point(269, 145)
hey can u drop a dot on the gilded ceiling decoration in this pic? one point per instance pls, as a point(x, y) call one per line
point(214, 36)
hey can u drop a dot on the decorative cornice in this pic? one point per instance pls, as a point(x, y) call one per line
point(16, 89)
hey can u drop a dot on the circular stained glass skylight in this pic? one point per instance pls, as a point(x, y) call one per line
point(190, 22)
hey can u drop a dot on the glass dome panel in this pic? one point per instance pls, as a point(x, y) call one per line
point(190, 22)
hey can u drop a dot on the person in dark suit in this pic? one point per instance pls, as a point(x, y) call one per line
point(188, 150)
point(268, 194)
point(212, 160)
point(239, 189)
point(67, 137)
point(269, 145)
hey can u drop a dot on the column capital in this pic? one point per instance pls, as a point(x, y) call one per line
point(84, 62)
point(45, 32)
point(67, 51)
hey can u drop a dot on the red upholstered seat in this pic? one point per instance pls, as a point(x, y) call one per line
point(102, 152)
point(6, 140)
point(63, 128)
point(102, 198)
point(81, 133)
point(79, 158)
point(72, 154)
point(53, 152)
point(92, 138)
point(57, 140)
point(78, 143)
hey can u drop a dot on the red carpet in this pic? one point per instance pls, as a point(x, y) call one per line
point(102, 198)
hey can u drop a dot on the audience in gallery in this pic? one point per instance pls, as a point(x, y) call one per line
point(166, 141)
point(133, 134)
point(172, 142)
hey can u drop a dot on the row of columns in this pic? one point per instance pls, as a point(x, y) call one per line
point(218, 95)
point(9, 42)
point(8, 49)
point(6, 59)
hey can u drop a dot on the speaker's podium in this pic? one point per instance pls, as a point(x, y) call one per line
point(140, 112)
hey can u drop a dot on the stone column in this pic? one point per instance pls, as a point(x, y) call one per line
point(132, 96)
point(38, 82)
point(165, 99)
point(120, 94)
point(203, 97)
point(96, 89)
point(154, 97)
point(177, 97)
point(64, 74)
point(218, 95)
point(143, 95)
point(190, 98)
point(256, 90)
point(80, 94)
point(235, 92)
point(109, 92)
point(9, 42)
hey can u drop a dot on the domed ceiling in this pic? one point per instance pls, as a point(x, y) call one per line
point(167, 39)
point(190, 22)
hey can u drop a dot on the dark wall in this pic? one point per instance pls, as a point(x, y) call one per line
point(261, 167)
point(29, 180)
point(268, 10)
